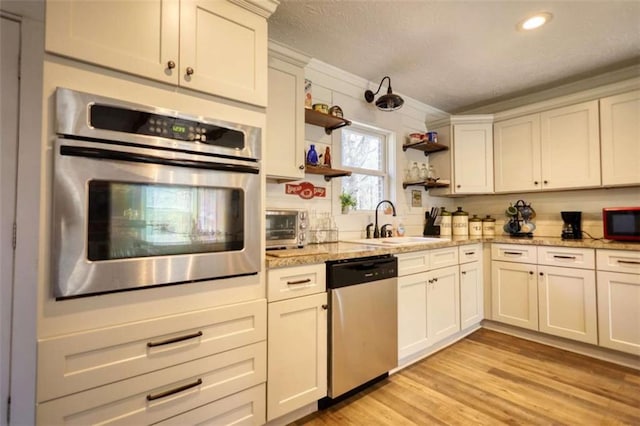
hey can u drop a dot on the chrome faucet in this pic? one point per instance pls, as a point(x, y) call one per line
point(376, 230)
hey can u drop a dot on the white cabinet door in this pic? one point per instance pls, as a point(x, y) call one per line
point(139, 37)
point(297, 353)
point(285, 121)
point(619, 311)
point(570, 142)
point(514, 293)
point(412, 314)
point(473, 158)
point(471, 294)
point(517, 154)
point(443, 304)
point(567, 303)
point(620, 139)
point(225, 47)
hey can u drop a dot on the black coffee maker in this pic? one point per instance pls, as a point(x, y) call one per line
point(572, 227)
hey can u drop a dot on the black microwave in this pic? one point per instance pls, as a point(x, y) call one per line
point(621, 223)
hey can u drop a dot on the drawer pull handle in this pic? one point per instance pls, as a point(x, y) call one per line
point(557, 256)
point(629, 262)
point(470, 253)
point(174, 339)
point(166, 393)
point(308, 280)
point(514, 253)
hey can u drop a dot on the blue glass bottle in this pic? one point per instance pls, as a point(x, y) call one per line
point(312, 155)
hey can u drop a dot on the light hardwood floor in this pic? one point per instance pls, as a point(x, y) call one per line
point(491, 378)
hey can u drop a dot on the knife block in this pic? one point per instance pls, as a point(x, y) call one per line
point(431, 231)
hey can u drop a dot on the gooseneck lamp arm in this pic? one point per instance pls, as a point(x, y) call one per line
point(370, 96)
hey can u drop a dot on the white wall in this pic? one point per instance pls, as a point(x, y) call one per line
point(336, 87)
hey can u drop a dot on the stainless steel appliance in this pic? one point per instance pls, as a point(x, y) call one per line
point(572, 226)
point(621, 223)
point(286, 228)
point(144, 196)
point(363, 329)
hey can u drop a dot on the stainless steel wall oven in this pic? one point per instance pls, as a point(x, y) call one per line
point(144, 196)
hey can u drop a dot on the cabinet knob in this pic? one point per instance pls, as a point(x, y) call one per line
point(458, 186)
point(190, 71)
point(535, 182)
point(301, 166)
point(530, 272)
point(171, 65)
point(541, 274)
point(325, 307)
point(545, 182)
point(435, 280)
point(464, 272)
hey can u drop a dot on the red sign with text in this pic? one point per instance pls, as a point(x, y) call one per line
point(305, 190)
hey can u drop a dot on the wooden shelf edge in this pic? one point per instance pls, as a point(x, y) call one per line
point(427, 147)
point(427, 185)
point(327, 121)
point(326, 171)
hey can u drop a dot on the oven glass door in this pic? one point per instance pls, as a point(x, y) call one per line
point(132, 217)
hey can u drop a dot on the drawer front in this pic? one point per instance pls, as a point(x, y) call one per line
point(296, 281)
point(618, 261)
point(80, 361)
point(443, 257)
point(469, 253)
point(245, 408)
point(567, 256)
point(162, 394)
point(413, 263)
point(514, 253)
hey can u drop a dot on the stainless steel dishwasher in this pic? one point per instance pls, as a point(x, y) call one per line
point(363, 322)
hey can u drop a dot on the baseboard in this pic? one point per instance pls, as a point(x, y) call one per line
point(597, 352)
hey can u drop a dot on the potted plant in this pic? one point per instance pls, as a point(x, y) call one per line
point(348, 202)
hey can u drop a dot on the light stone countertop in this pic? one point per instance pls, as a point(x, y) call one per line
point(320, 253)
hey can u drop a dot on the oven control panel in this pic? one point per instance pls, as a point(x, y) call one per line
point(125, 120)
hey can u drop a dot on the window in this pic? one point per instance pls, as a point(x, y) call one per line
point(364, 152)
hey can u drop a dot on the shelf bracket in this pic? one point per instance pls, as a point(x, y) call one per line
point(329, 130)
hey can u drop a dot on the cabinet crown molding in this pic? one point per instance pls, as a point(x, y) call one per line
point(263, 8)
point(286, 54)
point(463, 119)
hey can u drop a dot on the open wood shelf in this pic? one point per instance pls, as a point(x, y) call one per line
point(326, 171)
point(426, 183)
point(327, 121)
point(427, 147)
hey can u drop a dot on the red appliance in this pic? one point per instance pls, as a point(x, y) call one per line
point(621, 223)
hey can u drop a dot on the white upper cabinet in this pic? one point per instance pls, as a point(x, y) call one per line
point(570, 142)
point(469, 161)
point(620, 139)
point(555, 149)
point(285, 116)
point(516, 153)
point(213, 46)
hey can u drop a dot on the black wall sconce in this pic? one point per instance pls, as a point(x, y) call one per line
point(388, 102)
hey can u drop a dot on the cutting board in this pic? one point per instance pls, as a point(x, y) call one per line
point(296, 252)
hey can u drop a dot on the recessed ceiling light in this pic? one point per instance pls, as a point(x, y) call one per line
point(535, 21)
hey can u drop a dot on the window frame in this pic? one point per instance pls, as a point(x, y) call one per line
point(388, 168)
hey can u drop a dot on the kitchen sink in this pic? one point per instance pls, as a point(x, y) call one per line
point(396, 241)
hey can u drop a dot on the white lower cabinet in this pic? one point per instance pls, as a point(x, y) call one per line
point(514, 292)
point(471, 294)
point(297, 336)
point(619, 300)
point(297, 353)
point(567, 303)
point(429, 300)
point(162, 394)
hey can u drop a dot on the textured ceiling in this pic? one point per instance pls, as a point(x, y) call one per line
point(455, 55)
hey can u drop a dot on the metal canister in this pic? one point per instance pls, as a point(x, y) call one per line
point(460, 223)
point(445, 223)
point(488, 226)
point(475, 226)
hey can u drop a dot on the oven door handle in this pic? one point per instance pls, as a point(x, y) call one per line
point(108, 154)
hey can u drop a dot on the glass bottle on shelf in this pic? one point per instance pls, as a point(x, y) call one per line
point(312, 156)
point(431, 172)
point(415, 172)
point(423, 172)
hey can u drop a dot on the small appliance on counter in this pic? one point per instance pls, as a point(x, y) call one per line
point(572, 226)
point(520, 224)
point(286, 228)
point(621, 223)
